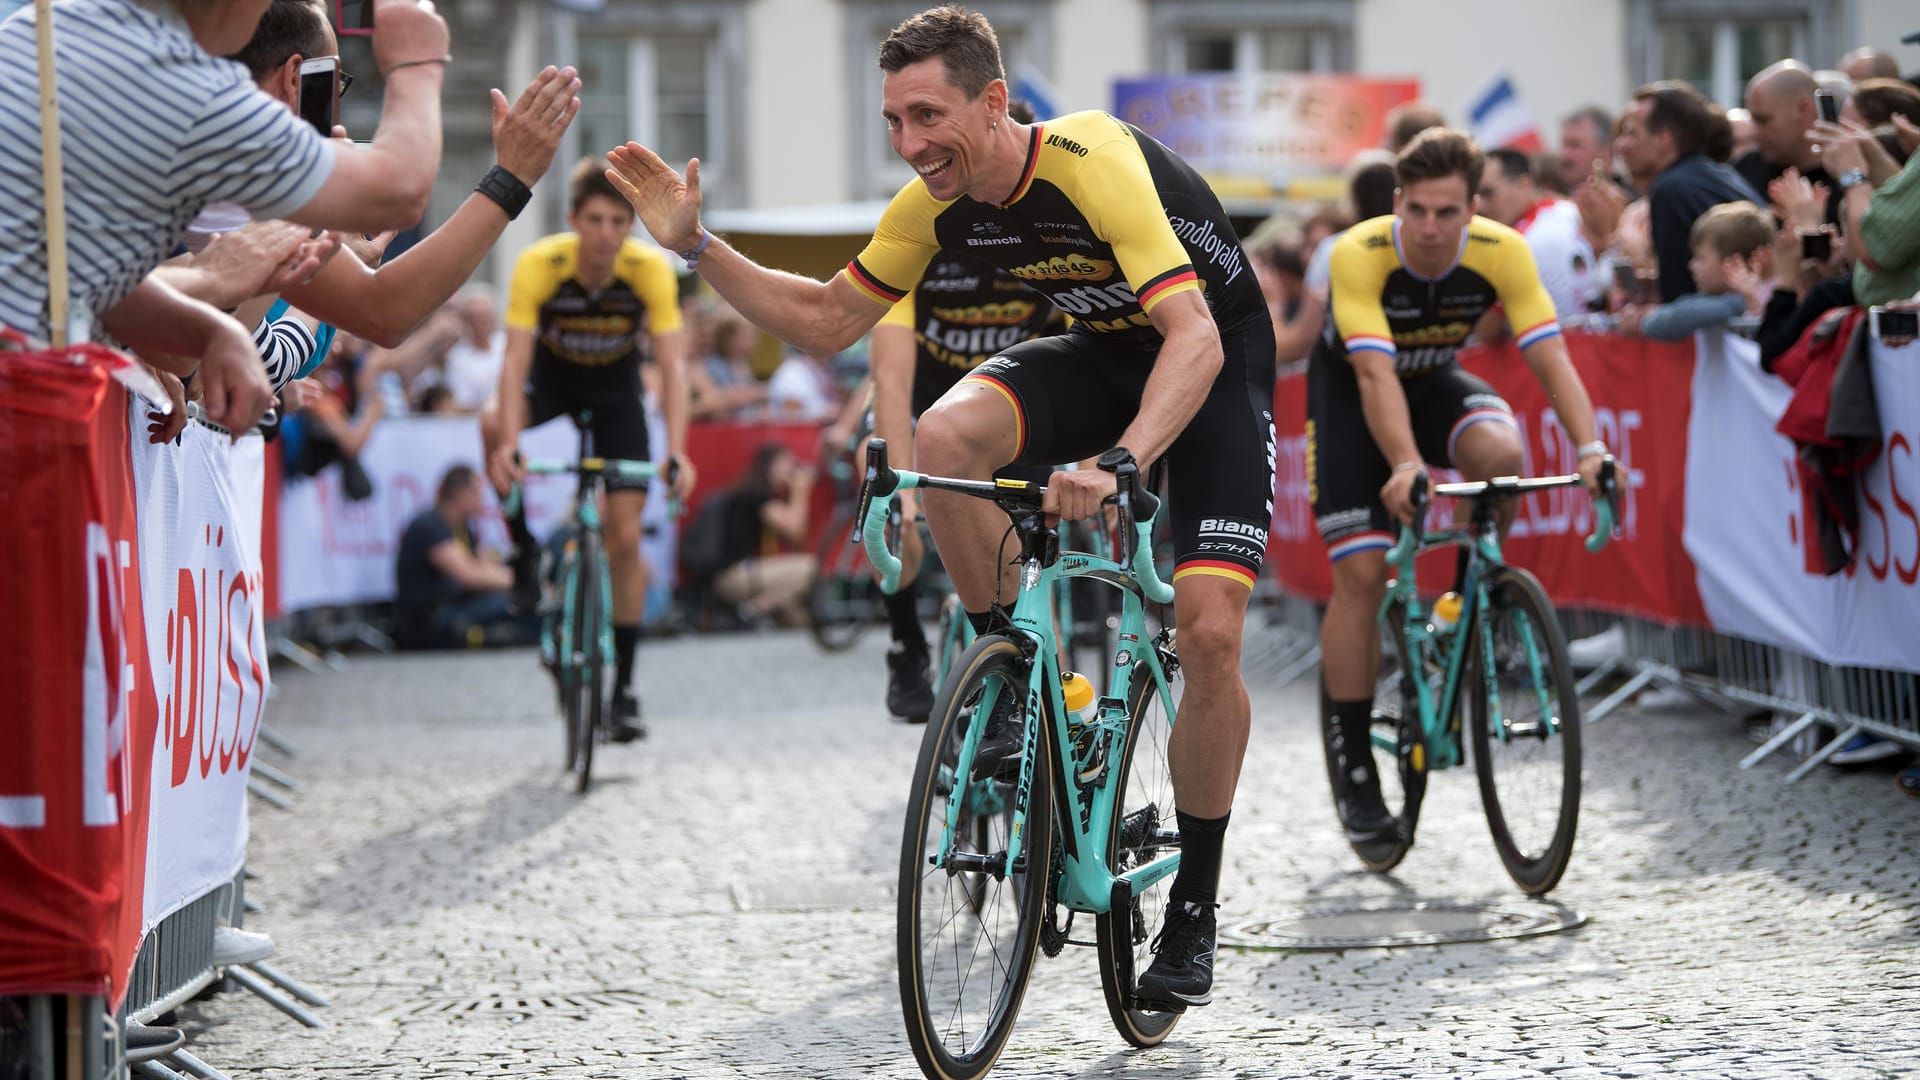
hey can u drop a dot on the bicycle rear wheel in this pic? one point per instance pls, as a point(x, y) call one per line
point(967, 932)
point(1144, 828)
point(844, 599)
point(1527, 752)
point(586, 695)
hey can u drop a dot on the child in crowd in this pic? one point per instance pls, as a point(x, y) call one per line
point(1732, 256)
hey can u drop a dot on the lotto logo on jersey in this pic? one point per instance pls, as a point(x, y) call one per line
point(1067, 267)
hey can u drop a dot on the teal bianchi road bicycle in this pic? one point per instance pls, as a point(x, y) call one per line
point(1494, 647)
point(576, 642)
point(1023, 814)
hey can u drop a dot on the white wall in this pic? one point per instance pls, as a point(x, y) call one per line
point(1560, 55)
point(1096, 41)
point(796, 103)
point(1881, 24)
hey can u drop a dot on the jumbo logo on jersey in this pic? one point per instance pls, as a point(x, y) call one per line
point(1067, 144)
point(1070, 267)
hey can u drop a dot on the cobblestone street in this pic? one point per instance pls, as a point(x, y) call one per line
point(721, 904)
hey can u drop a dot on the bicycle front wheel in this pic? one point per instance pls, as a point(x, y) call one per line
point(954, 635)
point(587, 661)
point(1144, 829)
point(1526, 742)
point(968, 930)
point(844, 599)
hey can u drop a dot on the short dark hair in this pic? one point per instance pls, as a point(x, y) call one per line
point(1878, 101)
point(453, 482)
point(1441, 152)
point(589, 180)
point(1371, 190)
point(1512, 163)
point(1020, 111)
point(289, 28)
point(1408, 119)
point(963, 40)
point(1680, 110)
point(1718, 145)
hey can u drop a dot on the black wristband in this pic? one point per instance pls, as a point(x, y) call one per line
point(505, 189)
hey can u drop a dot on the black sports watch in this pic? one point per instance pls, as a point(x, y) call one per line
point(1114, 458)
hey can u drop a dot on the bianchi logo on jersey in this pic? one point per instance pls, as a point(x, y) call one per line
point(1229, 527)
point(992, 241)
point(1065, 267)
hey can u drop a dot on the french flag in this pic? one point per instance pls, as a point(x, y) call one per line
point(1500, 118)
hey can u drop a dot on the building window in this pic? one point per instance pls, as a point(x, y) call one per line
point(659, 75)
point(1198, 36)
point(1025, 33)
point(1718, 45)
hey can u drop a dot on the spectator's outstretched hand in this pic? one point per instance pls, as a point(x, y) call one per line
point(1798, 200)
point(527, 134)
point(1907, 132)
point(1601, 203)
point(666, 204)
point(1840, 146)
point(1744, 279)
point(262, 257)
point(232, 380)
point(163, 428)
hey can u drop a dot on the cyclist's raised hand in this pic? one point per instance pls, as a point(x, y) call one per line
point(666, 204)
point(1397, 493)
point(1072, 496)
point(504, 468)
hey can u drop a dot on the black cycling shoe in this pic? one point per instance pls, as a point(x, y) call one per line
point(1181, 975)
point(909, 684)
point(1362, 809)
point(626, 726)
point(1002, 743)
point(525, 597)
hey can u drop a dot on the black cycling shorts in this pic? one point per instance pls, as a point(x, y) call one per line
point(1073, 394)
point(1345, 470)
point(618, 421)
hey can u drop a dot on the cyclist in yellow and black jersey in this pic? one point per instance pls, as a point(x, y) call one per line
point(581, 305)
point(963, 312)
point(1171, 356)
point(1386, 398)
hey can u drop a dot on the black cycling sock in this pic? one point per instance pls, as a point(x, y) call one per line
point(626, 642)
point(1198, 879)
point(1345, 726)
point(903, 615)
point(984, 622)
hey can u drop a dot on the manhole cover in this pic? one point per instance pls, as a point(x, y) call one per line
point(513, 1008)
point(1380, 927)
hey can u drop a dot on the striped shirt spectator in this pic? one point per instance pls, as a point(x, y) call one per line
point(153, 129)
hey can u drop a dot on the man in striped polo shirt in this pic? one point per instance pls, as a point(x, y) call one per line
point(154, 127)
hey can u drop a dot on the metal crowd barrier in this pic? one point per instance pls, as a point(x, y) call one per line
point(1732, 673)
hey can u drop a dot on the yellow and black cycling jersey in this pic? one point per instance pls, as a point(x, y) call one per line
point(586, 334)
point(963, 311)
point(1381, 305)
point(1105, 222)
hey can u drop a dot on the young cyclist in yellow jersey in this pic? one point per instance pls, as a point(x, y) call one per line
point(580, 305)
point(1387, 397)
point(1170, 356)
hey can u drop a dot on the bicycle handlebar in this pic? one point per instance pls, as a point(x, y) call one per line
point(1506, 487)
point(883, 480)
point(621, 468)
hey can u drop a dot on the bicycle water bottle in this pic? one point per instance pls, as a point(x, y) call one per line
point(1083, 714)
point(1446, 611)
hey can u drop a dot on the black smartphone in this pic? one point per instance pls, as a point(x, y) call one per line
point(1829, 108)
point(1817, 246)
point(1886, 323)
point(320, 93)
point(355, 17)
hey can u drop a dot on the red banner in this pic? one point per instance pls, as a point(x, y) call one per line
point(1642, 395)
point(74, 751)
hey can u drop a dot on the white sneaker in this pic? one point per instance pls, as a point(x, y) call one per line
point(1666, 698)
point(1591, 652)
point(232, 945)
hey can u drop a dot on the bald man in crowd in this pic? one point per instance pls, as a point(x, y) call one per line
point(1781, 105)
point(1869, 63)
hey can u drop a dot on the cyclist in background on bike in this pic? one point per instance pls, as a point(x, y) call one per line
point(1387, 398)
point(962, 312)
point(581, 305)
point(1171, 356)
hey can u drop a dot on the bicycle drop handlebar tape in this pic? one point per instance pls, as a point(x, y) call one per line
point(1142, 506)
point(1410, 534)
point(1603, 506)
point(881, 480)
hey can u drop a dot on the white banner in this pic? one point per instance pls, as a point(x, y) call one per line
point(334, 551)
point(1748, 534)
point(198, 504)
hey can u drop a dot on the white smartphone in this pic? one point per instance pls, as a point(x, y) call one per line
point(1886, 323)
point(320, 93)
